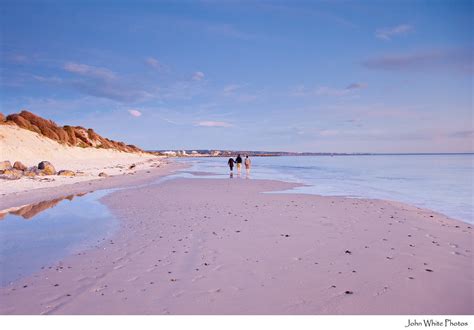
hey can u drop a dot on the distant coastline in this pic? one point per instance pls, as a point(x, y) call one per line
point(230, 153)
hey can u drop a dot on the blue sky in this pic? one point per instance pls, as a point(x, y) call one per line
point(321, 76)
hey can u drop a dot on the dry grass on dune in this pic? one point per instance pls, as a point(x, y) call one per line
point(69, 135)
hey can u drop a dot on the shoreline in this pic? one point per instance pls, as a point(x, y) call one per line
point(134, 203)
point(142, 175)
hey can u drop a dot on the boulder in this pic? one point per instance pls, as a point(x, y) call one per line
point(33, 169)
point(12, 174)
point(19, 166)
point(29, 173)
point(103, 174)
point(66, 173)
point(5, 165)
point(47, 168)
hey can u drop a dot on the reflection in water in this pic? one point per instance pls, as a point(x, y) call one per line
point(30, 210)
point(58, 230)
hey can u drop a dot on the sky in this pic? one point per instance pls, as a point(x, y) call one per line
point(315, 76)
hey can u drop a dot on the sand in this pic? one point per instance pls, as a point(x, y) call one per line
point(17, 144)
point(221, 246)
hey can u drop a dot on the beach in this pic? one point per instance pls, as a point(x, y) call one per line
point(227, 246)
point(30, 148)
point(310, 162)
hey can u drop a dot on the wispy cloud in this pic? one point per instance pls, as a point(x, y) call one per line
point(122, 92)
point(462, 134)
point(356, 86)
point(213, 124)
point(389, 33)
point(299, 11)
point(104, 83)
point(181, 90)
point(238, 93)
point(230, 89)
point(228, 30)
point(135, 113)
point(329, 132)
point(327, 91)
point(89, 71)
point(197, 76)
point(153, 63)
point(18, 58)
point(459, 60)
point(52, 80)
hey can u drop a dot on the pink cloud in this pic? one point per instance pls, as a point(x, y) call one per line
point(135, 113)
point(213, 124)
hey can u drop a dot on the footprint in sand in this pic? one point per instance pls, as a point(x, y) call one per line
point(197, 278)
point(383, 291)
point(178, 294)
point(217, 268)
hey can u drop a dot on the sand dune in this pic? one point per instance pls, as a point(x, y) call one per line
point(17, 144)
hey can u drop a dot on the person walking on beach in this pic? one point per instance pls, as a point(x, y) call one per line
point(230, 162)
point(247, 164)
point(238, 160)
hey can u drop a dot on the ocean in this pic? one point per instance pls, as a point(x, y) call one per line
point(441, 182)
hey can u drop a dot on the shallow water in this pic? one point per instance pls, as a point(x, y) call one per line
point(443, 183)
point(41, 234)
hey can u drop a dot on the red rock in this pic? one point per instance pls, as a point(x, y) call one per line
point(19, 166)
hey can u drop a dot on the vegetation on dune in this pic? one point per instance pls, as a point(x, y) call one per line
point(76, 136)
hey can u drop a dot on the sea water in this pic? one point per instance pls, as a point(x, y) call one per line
point(442, 183)
point(40, 235)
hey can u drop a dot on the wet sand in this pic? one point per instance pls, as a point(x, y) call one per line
point(210, 246)
point(150, 171)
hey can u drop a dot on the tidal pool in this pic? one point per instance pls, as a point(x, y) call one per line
point(38, 235)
